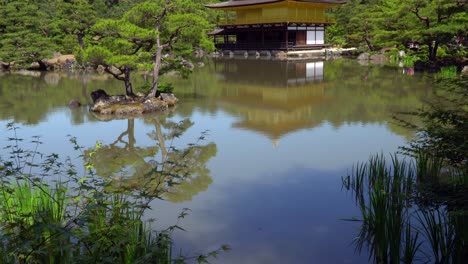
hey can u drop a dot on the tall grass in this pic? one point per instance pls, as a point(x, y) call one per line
point(397, 222)
point(33, 221)
point(449, 72)
point(50, 214)
point(381, 192)
point(408, 61)
point(36, 227)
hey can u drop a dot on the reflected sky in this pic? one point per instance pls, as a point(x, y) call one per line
point(276, 192)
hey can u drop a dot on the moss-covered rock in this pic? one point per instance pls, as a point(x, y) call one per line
point(122, 105)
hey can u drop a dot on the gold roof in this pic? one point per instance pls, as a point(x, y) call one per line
point(238, 3)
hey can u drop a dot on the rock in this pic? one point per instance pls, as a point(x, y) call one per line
point(201, 64)
point(100, 69)
point(199, 53)
point(363, 62)
point(187, 64)
point(74, 103)
point(4, 66)
point(363, 56)
point(124, 105)
point(385, 49)
point(251, 52)
point(34, 66)
point(464, 71)
point(114, 70)
point(60, 61)
point(378, 58)
point(349, 52)
point(280, 54)
point(265, 53)
point(52, 78)
point(99, 94)
point(169, 98)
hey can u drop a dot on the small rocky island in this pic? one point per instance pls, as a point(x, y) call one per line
point(130, 105)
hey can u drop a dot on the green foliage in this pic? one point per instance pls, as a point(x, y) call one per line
point(75, 18)
point(165, 87)
point(401, 218)
point(33, 30)
point(445, 120)
point(182, 172)
point(148, 28)
point(408, 61)
point(416, 210)
point(26, 32)
point(51, 214)
point(335, 36)
point(376, 24)
point(421, 53)
point(449, 72)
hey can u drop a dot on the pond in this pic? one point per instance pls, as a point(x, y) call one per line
point(278, 137)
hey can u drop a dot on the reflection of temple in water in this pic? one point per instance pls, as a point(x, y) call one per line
point(277, 73)
point(273, 98)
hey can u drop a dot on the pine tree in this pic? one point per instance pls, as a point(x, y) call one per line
point(138, 39)
point(26, 33)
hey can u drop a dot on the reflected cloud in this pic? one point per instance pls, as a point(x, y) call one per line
point(278, 222)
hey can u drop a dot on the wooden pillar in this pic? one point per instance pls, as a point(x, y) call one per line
point(263, 37)
point(286, 36)
point(324, 27)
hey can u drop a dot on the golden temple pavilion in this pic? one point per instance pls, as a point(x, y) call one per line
point(272, 24)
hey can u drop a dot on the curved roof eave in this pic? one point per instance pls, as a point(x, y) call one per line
point(239, 3)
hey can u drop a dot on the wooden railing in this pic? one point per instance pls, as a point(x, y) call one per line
point(267, 46)
point(254, 46)
point(270, 20)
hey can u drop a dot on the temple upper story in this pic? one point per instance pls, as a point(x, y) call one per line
point(250, 12)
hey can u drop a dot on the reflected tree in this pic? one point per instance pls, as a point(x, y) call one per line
point(28, 99)
point(163, 171)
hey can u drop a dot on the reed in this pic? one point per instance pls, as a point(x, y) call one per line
point(397, 223)
point(34, 213)
point(42, 220)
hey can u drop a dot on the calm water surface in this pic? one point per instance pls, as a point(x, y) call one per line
point(281, 135)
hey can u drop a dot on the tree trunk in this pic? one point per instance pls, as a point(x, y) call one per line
point(131, 134)
point(157, 67)
point(128, 83)
point(433, 46)
point(369, 44)
point(80, 37)
point(42, 65)
point(160, 138)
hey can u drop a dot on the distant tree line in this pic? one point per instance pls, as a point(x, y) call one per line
point(124, 35)
point(32, 30)
point(374, 24)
